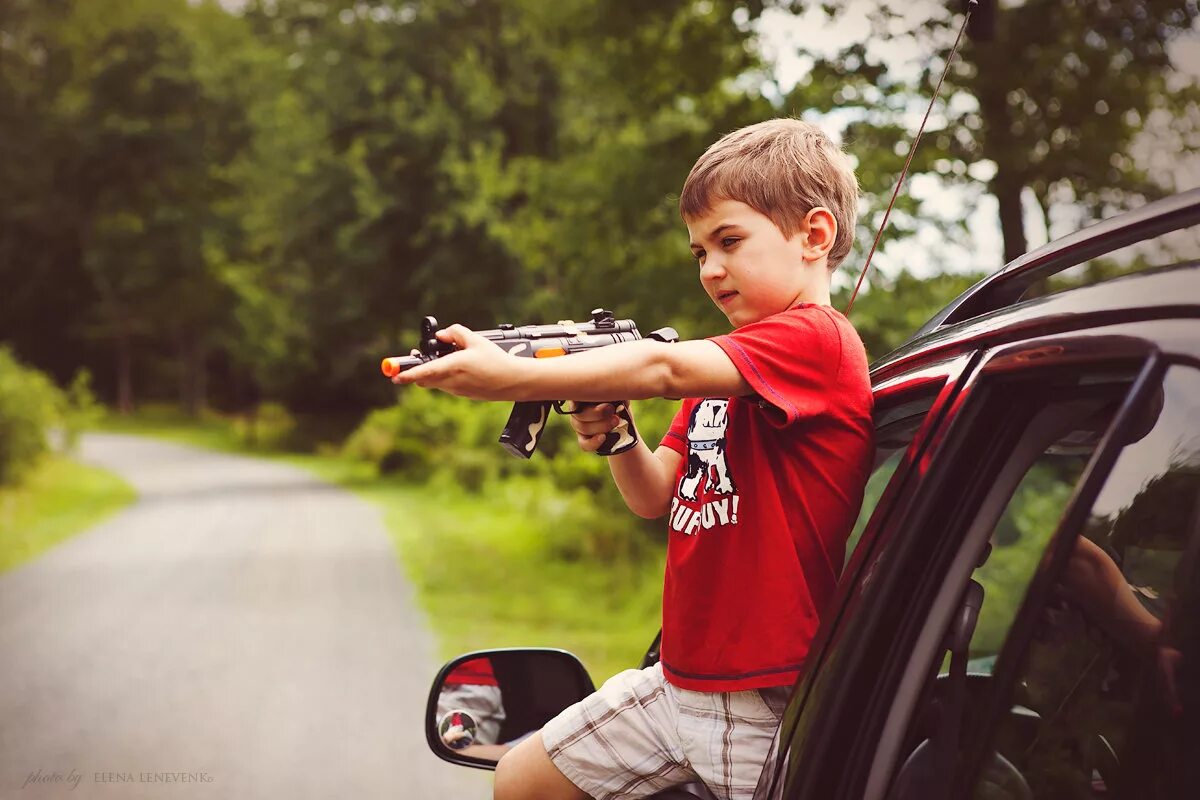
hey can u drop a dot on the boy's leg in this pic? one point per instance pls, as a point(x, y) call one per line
point(619, 742)
point(730, 736)
point(527, 772)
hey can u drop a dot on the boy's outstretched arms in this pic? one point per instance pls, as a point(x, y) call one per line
point(645, 479)
point(633, 370)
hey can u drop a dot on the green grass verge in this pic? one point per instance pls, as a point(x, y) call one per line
point(58, 498)
point(484, 572)
point(488, 579)
point(209, 430)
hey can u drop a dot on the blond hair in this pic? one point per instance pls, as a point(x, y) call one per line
point(782, 168)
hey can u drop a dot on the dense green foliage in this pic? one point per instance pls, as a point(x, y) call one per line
point(445, 442)
point(30, 407)
point(219, 207)
point(1075, 107)
point(29, 404)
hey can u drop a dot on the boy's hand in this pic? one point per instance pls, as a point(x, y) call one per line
point(480, 370)
point(593, 424)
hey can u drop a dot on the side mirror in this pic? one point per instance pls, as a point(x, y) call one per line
point(483, 703)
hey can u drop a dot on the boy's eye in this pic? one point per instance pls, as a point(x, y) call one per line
point(729, 241)
point(698, 255)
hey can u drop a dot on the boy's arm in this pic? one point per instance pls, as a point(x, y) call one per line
point(645, 479)
point(631, 370)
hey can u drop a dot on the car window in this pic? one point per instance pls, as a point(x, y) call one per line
point(1025, 526)
point(1105, 703)
point(896, 424)
point(1006, 520)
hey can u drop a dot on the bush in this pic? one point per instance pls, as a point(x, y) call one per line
point(427, 434)
point(30, 404)
point(567, 495)
point(269, 427)
point(83, 409)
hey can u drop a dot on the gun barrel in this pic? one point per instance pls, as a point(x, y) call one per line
point(394, 365)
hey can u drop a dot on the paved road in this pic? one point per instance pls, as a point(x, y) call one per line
point(243, 629)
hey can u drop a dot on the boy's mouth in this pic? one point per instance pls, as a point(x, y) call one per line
point(725, 297)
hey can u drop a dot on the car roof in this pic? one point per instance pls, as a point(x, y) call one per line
point(992, 310)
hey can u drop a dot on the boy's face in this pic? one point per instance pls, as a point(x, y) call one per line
point(749, 268)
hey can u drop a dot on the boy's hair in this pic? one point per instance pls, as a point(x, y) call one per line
point(782, 168)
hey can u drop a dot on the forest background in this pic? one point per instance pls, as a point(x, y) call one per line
point(235, 209)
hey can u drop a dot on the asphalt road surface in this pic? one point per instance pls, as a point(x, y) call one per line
point(242, 631)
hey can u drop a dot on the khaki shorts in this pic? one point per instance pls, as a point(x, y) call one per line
point(638, 735)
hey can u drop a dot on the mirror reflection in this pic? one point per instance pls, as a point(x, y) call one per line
point(470, 710)
point(488, 702)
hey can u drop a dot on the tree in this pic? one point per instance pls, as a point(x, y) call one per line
point(129, 140)
point(39, 248)
point(1053, 104)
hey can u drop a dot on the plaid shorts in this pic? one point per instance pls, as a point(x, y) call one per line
point(638, 735)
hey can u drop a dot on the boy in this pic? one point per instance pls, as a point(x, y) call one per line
point(760, 475)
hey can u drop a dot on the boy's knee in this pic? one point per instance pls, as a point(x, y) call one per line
point(527, 772)
point(508, 772)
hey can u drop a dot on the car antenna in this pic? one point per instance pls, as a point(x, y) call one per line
point(971, 6)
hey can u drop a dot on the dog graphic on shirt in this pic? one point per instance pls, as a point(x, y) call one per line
point(706, 451)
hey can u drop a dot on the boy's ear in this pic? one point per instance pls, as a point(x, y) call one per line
point(820, 229)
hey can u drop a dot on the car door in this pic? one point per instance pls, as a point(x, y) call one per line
point(1017, 448)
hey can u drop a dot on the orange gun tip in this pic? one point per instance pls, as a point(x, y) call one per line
point(390, 367)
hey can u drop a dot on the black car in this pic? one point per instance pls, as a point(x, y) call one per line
point(1019, 614)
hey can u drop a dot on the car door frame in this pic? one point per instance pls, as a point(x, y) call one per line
point(944, 377)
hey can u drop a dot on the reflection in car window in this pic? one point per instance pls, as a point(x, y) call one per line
point(1107, 692)
point(1015, 505)
point(1017, 544)
point(1069, 432)
point(895, 426)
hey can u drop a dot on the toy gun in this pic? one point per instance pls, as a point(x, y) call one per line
point(528, 419)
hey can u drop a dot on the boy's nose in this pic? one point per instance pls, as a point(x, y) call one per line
point(712, 269)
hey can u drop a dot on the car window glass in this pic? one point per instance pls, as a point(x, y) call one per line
point(896, 423)
point(1106, 703)
point(1046, 431)
point(871, 494)
point(1065, 434)
point(1017, 544)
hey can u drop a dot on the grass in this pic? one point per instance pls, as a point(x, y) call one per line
point(488, 578)
point(209, 430)
point(490, 569)
point(57, 499)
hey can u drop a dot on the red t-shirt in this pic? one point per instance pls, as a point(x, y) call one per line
point(765, 498)
point(476, 672)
